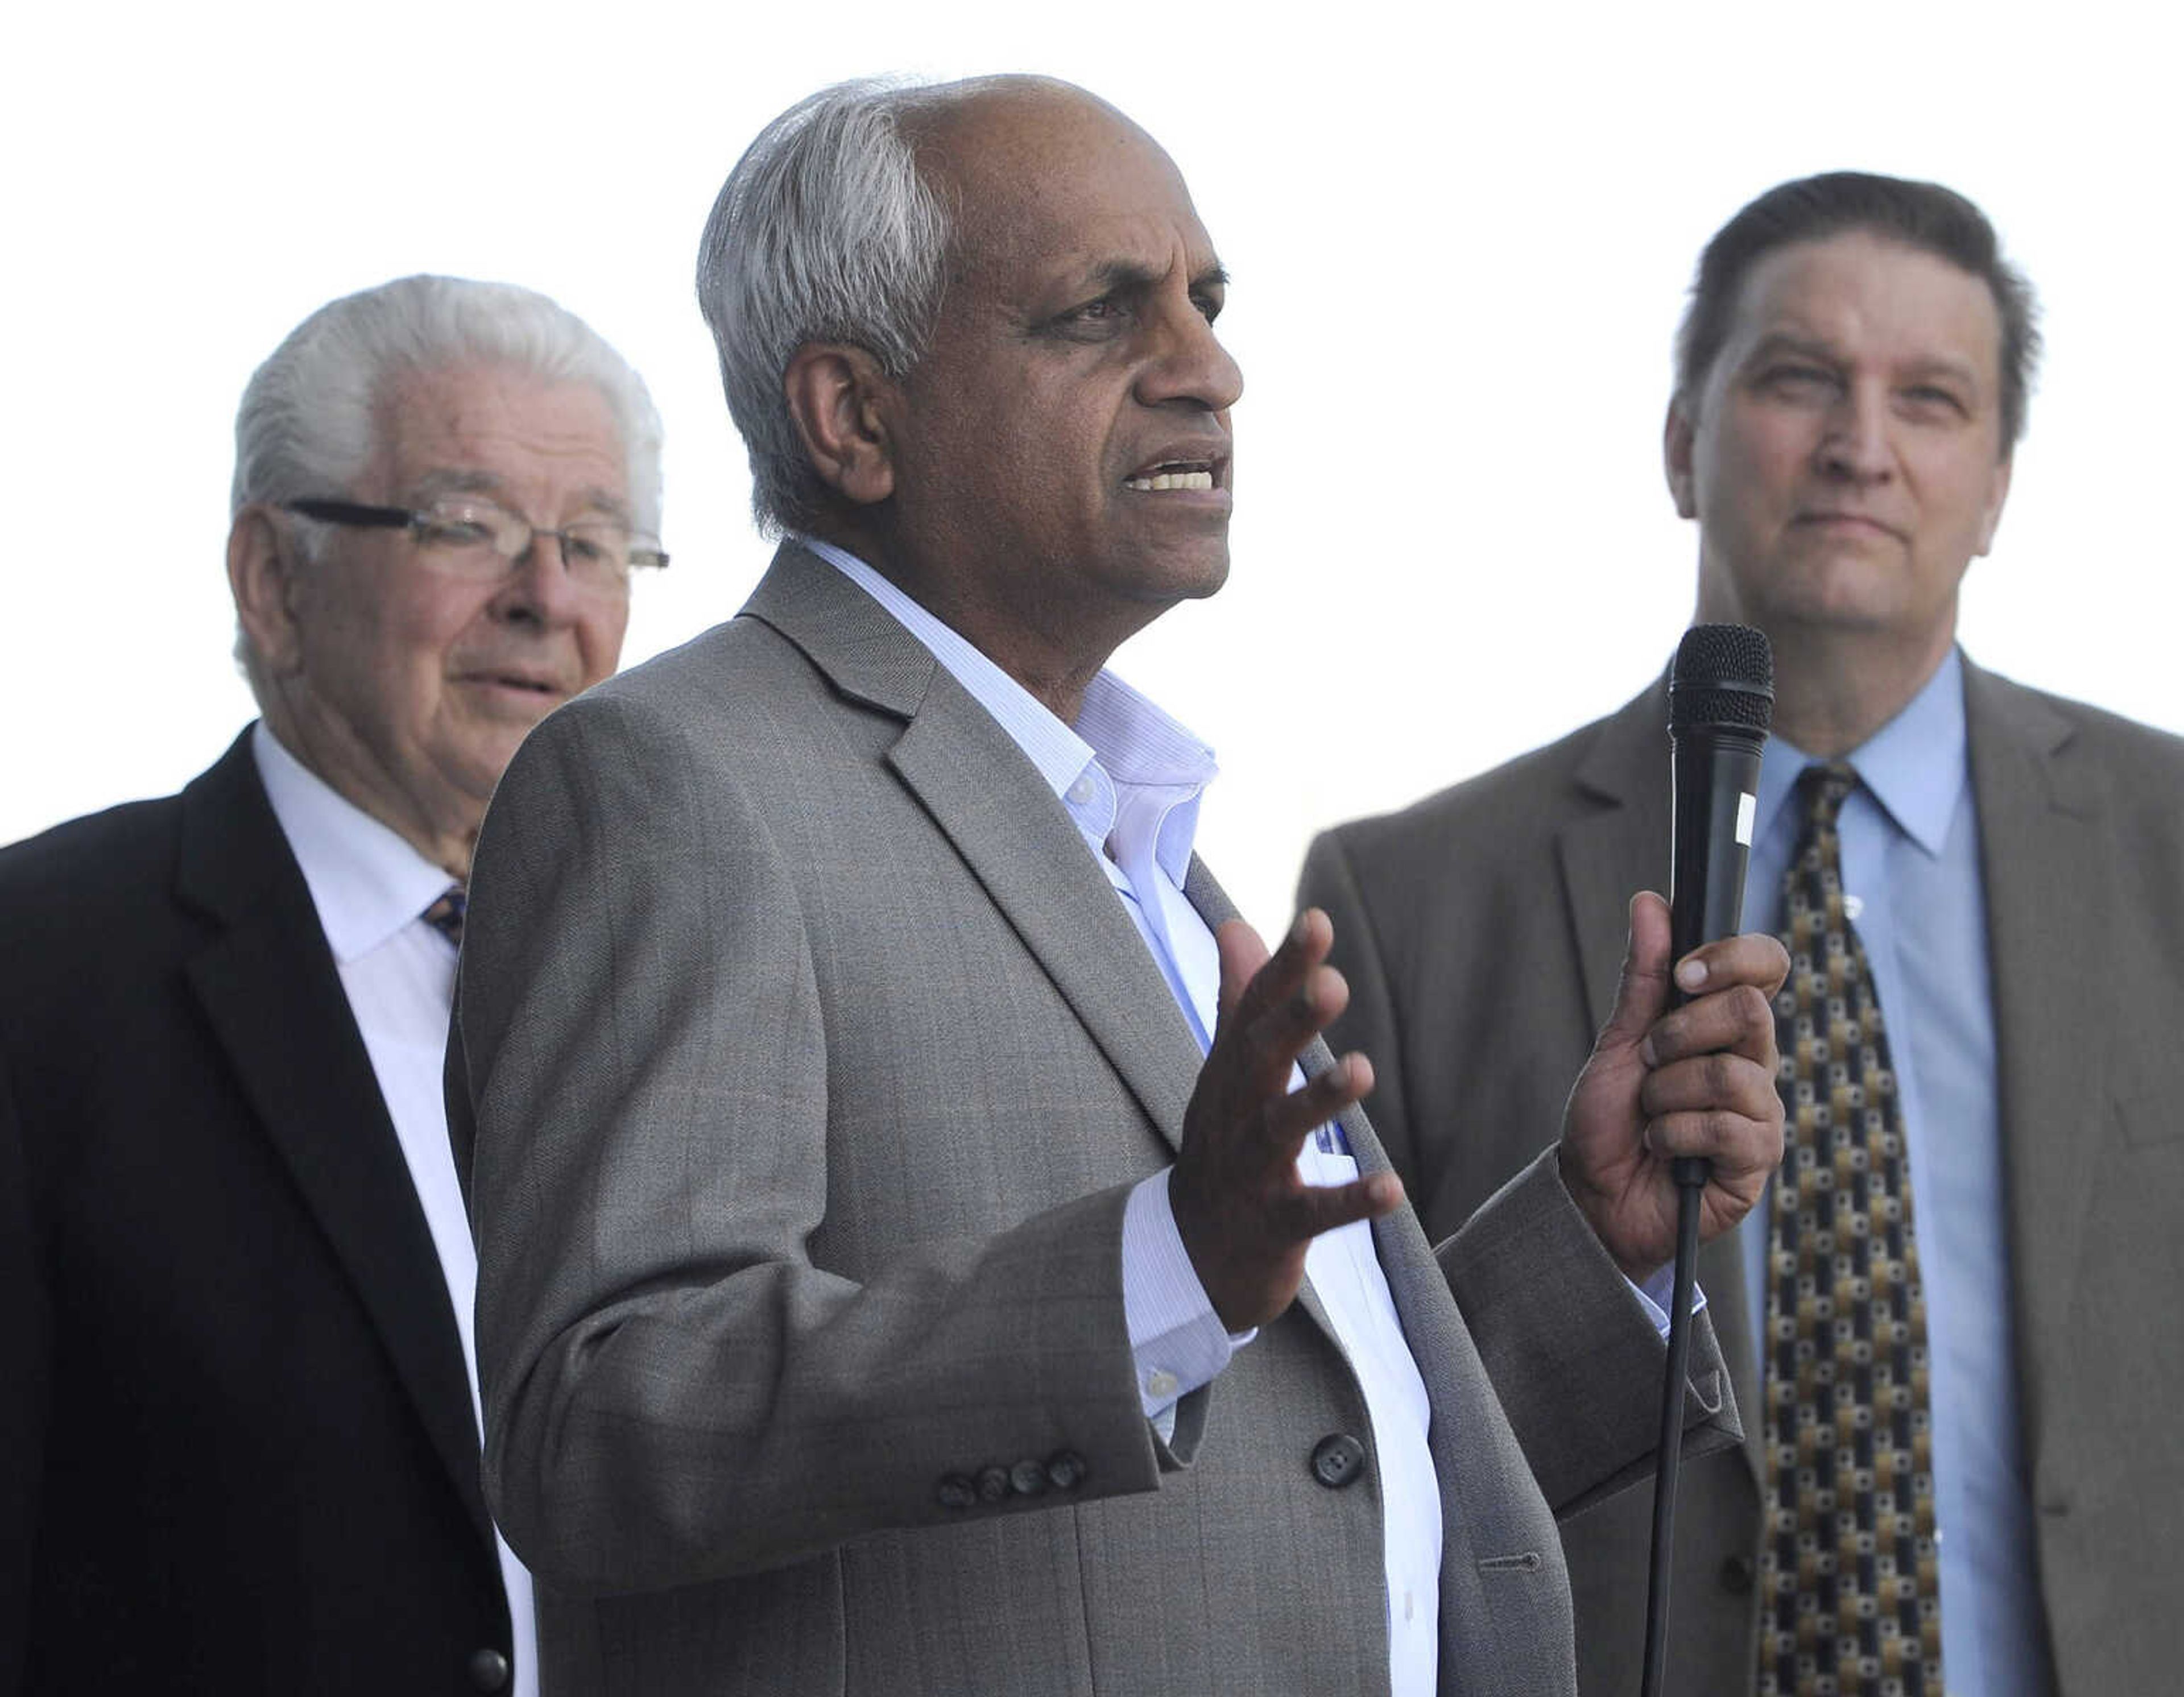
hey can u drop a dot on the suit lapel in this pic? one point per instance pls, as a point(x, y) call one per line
point(1617, 844)
point(2041, 855)
point(269, 988)
point(991, 804)
point(1033, 862)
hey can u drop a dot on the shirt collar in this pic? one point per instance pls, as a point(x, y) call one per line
point(1915, 764)
point(366, 880)
point(1121, 737)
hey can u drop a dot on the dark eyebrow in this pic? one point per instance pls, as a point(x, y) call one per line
point(1802, 347)
point(1127, 276)
point(1786, 341)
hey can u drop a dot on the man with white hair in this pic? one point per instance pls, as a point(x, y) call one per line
point(238, 1434)
point(905, 1266)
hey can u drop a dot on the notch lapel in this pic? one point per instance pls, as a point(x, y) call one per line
point(270, 990)
point(1617, 844)
point(1023, 848)
point(993, 806)
point(2041, 860)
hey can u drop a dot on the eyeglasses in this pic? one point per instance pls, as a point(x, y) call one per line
point(466, 536)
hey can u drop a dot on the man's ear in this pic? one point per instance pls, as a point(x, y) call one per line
point(1679, 434)
point(261, 572)
point(836, 394)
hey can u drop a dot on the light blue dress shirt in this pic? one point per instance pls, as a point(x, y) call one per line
point(1911, 880)
point(1131, 779)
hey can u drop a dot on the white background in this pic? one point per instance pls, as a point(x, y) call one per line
point(1460, 238)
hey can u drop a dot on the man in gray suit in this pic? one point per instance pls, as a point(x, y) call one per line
point(912, 1259)
point(1851, 378)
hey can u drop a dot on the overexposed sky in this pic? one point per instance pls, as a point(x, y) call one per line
point(1459, 235)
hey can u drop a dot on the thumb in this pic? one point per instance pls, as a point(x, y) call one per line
point(1645, 989)
point(1242, 954)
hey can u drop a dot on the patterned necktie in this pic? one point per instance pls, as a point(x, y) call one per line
point(1850, 1590)
point(445, 916)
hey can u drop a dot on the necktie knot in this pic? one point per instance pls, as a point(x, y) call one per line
point(1823, 787)
point(445, 916)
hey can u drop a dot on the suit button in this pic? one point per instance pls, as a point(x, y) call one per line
point(957, 1492)
point(1338, 1460)
point(993, 1484)
point(1030, 1477)
point(1067, 1468)
point(1736, 1575)
point(488, 1670)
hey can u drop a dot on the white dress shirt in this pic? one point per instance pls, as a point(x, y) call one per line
point(1131, 779)
point(372, 889)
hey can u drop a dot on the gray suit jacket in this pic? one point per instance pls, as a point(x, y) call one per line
point(2081, 820)
point(812, 1060)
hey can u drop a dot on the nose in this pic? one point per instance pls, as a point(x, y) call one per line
point(1856, 446)
point(539, 589)
point(1188, 365)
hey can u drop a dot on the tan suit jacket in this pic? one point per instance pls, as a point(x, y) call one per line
point(812, 1060)
point(1482, 931)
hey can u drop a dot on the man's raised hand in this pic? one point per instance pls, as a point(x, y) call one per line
point(1245, 1214)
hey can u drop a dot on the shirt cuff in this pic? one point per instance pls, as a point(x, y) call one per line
point(1655, 1295)
point(1177, 1339)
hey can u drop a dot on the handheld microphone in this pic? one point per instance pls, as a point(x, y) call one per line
point(1721, 705)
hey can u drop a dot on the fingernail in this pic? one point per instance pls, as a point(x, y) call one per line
point(1647, 1053)
point(1690, 975)
point(1297, 930)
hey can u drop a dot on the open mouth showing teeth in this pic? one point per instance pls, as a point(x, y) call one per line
point(1177, 473)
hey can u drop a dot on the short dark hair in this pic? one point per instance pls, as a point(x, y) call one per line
point(1925, 215)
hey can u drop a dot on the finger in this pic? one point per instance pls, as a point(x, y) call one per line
point(1243, 954)
point(1737, 1144)
point(1313, 1210)
point(1271, 977)
point(1754, 958)
point(1644, 992)
point(1274, 1041)
point(1299, 1113)
point(1705, 1083)
point(1740, 1020)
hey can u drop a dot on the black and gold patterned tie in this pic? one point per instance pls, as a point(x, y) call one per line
point(1850, 1590)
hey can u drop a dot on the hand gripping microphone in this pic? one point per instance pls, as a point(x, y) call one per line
point(1721, 702)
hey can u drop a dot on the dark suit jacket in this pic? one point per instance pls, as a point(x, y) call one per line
point(813, 1061)
point(1482, 931)
point(237, 1452)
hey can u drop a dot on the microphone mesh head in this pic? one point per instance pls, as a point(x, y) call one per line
point(1724, 675)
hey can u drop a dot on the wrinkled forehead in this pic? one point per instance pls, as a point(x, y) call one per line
point(484, 427)
point(1902, 296)
point(1034, 172)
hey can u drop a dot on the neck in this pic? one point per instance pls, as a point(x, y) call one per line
point(338, 759)
point(1054, 647)
point(1834, 689)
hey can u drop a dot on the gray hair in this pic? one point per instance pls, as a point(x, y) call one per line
point(823, 232)
point(309, 422)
